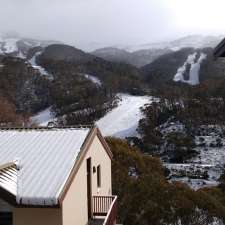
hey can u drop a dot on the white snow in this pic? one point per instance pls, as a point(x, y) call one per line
point(180, 72)
point(21, 55)
point(10, 45)
point(43, 118)
point(194, 70)
point(93, 79)
point(204, 169)
point(42, 70)
point(32, 44)
point(193, 41)
point(123, 120)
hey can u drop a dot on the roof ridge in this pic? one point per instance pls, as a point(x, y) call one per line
point(47, 128)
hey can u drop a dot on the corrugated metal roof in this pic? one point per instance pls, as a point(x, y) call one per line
point(45, 158)
point(8, 179)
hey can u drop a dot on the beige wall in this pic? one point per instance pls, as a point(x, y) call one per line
point(74, 206)
point(37, 216)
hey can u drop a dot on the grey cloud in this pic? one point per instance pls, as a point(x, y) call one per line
point(87, 22)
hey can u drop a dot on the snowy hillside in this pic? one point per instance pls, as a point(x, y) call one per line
point(204, 169)
point(19, 47)
point(192, 68)
point(42, 70)
point(43, 118)
point(142, 55)
point(93, 79)
point(123, 121)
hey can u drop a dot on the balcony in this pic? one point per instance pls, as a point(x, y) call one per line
point(104, 210)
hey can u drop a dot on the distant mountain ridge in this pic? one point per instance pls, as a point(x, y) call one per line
point(65, 74)
point(191, 41)
point(142, 55)
point(60, 58)
point(138, 58)
point(19, 47)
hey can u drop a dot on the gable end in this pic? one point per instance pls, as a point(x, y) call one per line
point(89, 140)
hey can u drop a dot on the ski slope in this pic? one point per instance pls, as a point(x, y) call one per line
point(195, 64)
point(123, 121)
point(42, 70)
point(43, 118)
point(93, 79)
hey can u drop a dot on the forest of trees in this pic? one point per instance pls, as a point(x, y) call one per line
point(146, 197)
point(8, 115)
point(68, 91)
point(191, 113)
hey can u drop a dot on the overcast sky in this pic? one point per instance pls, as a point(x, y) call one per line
point(89, 23)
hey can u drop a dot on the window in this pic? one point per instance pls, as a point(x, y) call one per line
point(99, 176)
point(6, 218)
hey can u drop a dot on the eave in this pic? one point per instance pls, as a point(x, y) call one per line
point(219, 51)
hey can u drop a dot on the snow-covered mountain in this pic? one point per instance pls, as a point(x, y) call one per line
point(142, 55)
point(188, 65)
point(125, 117)
point(138, 58)
point(192, 41)
point(19, 47)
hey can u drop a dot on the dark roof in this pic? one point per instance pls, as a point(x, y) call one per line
point(219, 51)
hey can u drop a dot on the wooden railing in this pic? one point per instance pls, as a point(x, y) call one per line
point(105, 206)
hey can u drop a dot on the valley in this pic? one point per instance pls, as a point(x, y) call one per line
point(50, 83)
point(112, 112)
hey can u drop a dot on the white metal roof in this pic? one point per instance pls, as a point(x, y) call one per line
point(45, 158)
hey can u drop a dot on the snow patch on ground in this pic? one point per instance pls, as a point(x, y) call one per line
point(195, 64)
point(93, 79)
point(194, 174)
point(123, 120)
point(43, 118)
point(204, 169)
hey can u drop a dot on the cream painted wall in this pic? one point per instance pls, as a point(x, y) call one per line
point(74, 206)
point(37, 216)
